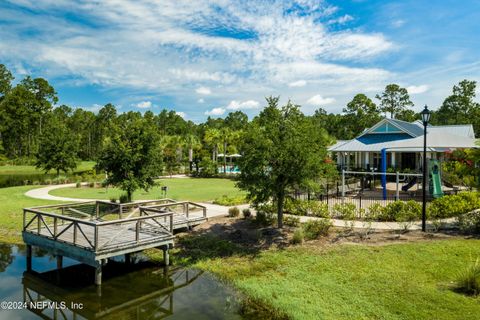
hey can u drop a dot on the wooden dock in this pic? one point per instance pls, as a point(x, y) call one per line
point(92, 232)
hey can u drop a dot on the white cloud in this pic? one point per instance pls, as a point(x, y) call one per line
point(398, 23)
point(318, 100)
point(342, 20)
point(181, 114)
point(296, 84)
point(144, 104)
point(203, 91)
point(239, 105)
point(215, 112)
point(417, 89)
point(201, 100)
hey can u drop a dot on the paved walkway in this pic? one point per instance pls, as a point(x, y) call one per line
point(214, 210)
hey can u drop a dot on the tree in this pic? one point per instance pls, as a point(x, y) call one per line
point(6, 79)
point(237, 120)
point(282, 149)
point(213, 138)
point(192, 143)
point(394, 100)
point(132, 156)
point(361, 113)
point(460, 107)
point(58, 148)
point(172, 152)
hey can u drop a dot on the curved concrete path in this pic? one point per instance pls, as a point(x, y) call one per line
point(214, 210)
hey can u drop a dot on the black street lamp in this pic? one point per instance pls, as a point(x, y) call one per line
point(425, 119)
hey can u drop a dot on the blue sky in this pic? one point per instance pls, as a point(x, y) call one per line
point(214, 57)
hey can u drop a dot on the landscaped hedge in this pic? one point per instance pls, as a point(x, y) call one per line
point(454, 205)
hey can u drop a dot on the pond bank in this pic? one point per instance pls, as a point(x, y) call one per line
point(388, 275)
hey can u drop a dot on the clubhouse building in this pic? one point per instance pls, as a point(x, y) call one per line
point(403, 142)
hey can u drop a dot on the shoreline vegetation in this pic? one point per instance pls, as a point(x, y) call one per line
point(340, 276)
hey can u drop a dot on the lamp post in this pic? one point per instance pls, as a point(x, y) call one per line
point(425, 119)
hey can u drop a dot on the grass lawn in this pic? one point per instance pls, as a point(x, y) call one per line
point(12, 170)
point(12, 201)
point(193, 189)
point(395, 281)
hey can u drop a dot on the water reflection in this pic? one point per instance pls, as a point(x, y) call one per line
point(136, 291)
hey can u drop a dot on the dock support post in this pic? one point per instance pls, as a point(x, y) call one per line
point(166, 256)
point(98, 274)
point(29, 257)
point(59, 262)
point(128, 258)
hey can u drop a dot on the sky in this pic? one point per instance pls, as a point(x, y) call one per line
point(212, 57)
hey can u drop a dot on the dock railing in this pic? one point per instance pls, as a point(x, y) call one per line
point(97, 235)
point(187, 208)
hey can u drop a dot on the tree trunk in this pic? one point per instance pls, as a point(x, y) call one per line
point(280, 200)
point(129, 195)
point(224, 157)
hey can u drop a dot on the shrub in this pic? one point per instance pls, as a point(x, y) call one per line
point(306, 208)
point(78, 184)
point(246, 213)
point(298, 236)
point(374, 212)
point(263, 218)
point(345, 211)
point(468, 280)
point(454, 205)
point(229, 201)
point(124, 198)
point(233, 212)
point(113, 199)
point(291, 221)
point(401, 211)
point(469, 222)
point(91, 184)
point(313, 229)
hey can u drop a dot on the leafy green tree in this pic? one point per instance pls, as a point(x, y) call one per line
point(394, 100)
point(213, 137)
point(236, 121)
point(58, 148)
point(6, 79)
point(361, 113)
point(335, 124)
point(460, 107)
point(132, 155)
point(172, 153)
point(192, 143)
point(283, 149)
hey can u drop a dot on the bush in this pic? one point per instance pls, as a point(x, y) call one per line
point(113, 200)
point(265, 218)
point(468, 281)
point(208, 168)
point(374, 212)
point(470, 222)
point(401, 211)
point(124, 198)
point(291, 221)
point(345, 211)
point(229, 201)
point(246, 213)
point(454, 205)
point(306, 208)
point(78, 184)
point(91, 184)
point(233, 212)
point(298, 236)
point(313, 229)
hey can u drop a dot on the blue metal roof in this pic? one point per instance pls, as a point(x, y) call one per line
point(380, 138)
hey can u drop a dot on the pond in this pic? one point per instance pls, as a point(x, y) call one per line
point(140, 290)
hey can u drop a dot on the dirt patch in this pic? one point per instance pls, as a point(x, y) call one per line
point(246, 233)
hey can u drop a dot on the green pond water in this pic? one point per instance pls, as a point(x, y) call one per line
point(140, 290)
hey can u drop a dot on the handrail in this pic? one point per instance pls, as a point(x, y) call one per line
point(59, 216)
point(60, 205)
point(174, 204)
point(120, 221)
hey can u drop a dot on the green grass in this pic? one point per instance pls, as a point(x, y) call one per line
point(12, 201)
point(397, 281)
point(12, 170)
point(193, 189)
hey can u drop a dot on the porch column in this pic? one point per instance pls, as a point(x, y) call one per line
point(367, 159)
point(348, 160)
point(392, 160)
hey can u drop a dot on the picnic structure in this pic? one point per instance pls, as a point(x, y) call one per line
point(94, 231)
